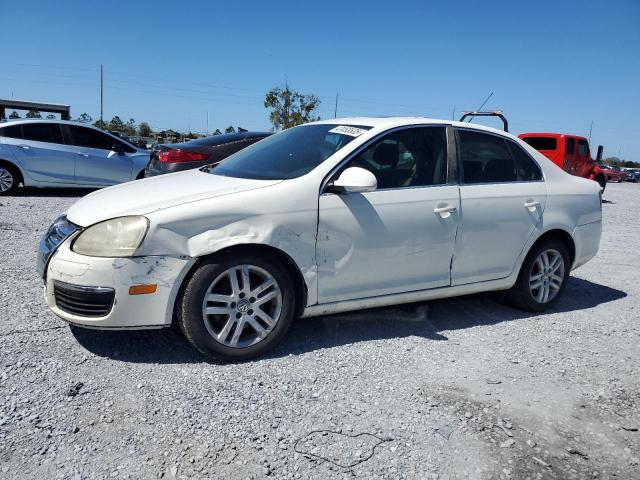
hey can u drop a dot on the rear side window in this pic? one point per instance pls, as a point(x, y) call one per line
point(485, 158)
point(42, 132)
point(542, 143)
point(527, 170)
point(571, 146)
point(490, 159)
point(12, 131)
point(90, 138)
point(583, 148)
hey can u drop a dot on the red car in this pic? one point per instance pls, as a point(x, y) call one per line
point(613, 173)
point(569, 152)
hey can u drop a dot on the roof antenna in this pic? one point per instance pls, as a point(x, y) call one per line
point(483, 104)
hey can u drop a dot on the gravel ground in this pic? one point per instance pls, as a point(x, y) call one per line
point(460, 388)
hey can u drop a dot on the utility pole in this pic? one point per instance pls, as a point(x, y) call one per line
point(590, 130)
point(101, 97)
point(453, 114)
point(335, 112)
point(286, 102)
point(207, 121)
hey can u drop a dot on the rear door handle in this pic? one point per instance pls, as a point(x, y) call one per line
point(445, 210)
point(82, 154)
point(531, 205)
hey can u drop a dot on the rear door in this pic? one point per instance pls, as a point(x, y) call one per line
point(502, 196)
point(42, 154)
point(96, 162)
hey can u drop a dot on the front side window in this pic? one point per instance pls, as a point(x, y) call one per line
point(288, 154)
point(42, 132)
point(90, 138)
point(410, 157)
point(490, 159)
point(583, 148)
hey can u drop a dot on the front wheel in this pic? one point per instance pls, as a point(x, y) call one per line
point(237, 308)
point(543, 277)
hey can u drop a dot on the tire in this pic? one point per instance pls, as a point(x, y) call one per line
point(9, 179)
point(211, 324)
point(522, 295)
point(603, 183)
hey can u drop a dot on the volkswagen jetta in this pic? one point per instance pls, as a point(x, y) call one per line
point(326, 217)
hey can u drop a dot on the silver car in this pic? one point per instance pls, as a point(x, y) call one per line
point(55, 153)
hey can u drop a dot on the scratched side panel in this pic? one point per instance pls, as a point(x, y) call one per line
point(283, 216)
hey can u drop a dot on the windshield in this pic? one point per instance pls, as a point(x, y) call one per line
point(288, 154)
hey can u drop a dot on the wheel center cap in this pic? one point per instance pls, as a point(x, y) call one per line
point(243, 305)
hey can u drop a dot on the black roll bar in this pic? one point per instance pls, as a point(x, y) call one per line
point(496, 113)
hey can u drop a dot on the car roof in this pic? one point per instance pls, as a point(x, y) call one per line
point(213, 140)
point(46, 120)
point(392, 122)
point(550, 134)
point(18, 121)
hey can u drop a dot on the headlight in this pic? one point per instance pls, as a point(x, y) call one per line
point(118, 237)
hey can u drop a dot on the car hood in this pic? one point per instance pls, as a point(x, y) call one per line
point(141, 197)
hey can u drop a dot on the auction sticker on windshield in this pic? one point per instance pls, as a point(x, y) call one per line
point(345, 130)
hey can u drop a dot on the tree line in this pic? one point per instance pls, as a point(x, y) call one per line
point(619, 162)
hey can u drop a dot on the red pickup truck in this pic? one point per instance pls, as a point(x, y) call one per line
point(569, 152)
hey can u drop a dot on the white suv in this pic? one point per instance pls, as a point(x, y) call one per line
point(54, 153)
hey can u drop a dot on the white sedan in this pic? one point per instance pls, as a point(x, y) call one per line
point(326, 217)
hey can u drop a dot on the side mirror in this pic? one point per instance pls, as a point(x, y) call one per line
point(599, 154)
point(118, 148)
point(354, 180)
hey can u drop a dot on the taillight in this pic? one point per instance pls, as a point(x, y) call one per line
point(177, 155)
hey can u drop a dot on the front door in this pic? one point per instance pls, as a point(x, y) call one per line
point(96, 162)
point(390, 240)
point(502, 195)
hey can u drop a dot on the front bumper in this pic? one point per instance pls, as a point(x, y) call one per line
point(153, 310)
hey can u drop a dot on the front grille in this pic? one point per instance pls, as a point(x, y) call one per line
point(83, 301)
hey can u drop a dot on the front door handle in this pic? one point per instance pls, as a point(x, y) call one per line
point(531, 205)
point(444, 210)
point(82, 154)
point(24, 147)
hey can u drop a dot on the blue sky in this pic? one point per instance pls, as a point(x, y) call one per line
point(552, 65)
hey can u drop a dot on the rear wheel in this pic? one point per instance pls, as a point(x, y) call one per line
point(237, 308)
point(9, 179)
point(603, 183)
point(543, 276)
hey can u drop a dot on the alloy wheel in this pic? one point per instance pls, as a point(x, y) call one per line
point(242, 306)
point(547, 275)
point(6, 180)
